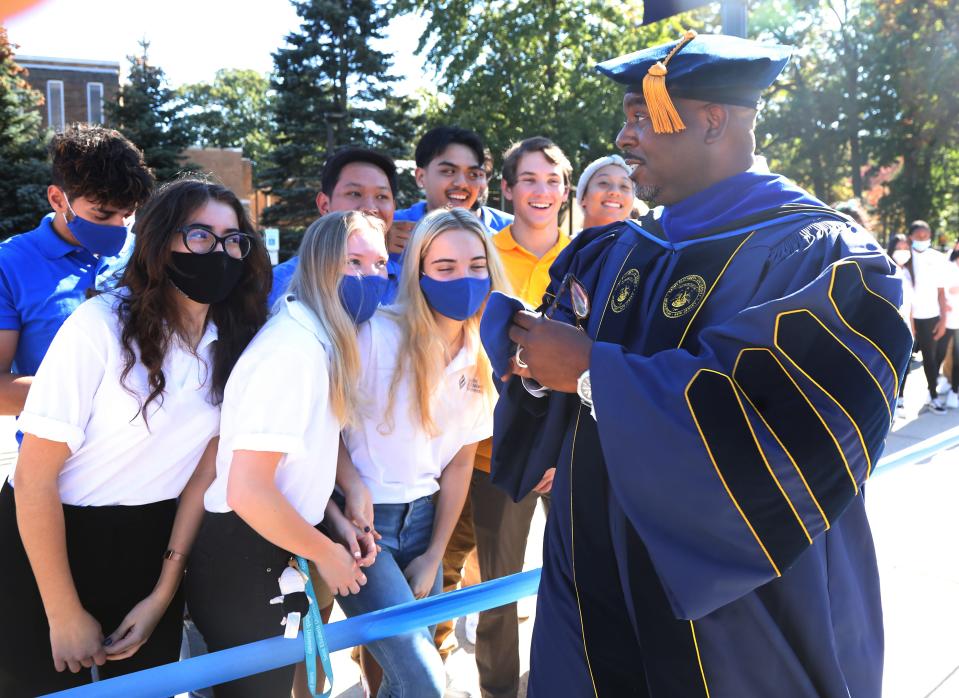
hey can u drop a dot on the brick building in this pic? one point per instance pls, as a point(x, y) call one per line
point(74, 89)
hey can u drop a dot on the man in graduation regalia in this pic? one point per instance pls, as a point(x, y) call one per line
point(714, 388)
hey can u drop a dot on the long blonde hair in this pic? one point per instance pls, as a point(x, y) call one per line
point(316, 284)
point(424, 353)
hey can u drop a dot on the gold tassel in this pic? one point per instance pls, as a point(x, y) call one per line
point(662, 111)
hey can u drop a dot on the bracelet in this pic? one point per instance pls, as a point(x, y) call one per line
point(172, 554)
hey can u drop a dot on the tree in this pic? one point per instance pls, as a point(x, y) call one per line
point(24, 172)
point(234, 111)
point(149, 114)
point(524, 68)
point(332, 89)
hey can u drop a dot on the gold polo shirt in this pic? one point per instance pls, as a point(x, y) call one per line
point(529, 277)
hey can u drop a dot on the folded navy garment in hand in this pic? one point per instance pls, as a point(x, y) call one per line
point(494, 329)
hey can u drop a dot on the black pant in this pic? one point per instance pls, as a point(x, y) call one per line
point(232, 575)
point(932, 355)
point(943, 347)
point(115, 553)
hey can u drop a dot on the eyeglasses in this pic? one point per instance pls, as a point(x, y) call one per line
point(579, 300)
point(202, 241)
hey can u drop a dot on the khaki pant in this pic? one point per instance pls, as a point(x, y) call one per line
point(459, 555)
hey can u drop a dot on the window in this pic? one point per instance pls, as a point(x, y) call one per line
point(55, 116)
point(95, 102)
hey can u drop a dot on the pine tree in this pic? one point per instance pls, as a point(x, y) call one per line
point(24, 173)
point(332, 89)
point(148, 113)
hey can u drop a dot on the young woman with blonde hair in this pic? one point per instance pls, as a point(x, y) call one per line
point(429, 399)
point(291, 393)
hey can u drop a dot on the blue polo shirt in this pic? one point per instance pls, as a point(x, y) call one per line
point(282, 273)
point(43, 278)
point(494, 219)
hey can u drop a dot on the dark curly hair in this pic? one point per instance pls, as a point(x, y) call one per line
point(100, 165)
point(148, 307)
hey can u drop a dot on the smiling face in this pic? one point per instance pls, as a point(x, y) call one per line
point(455, 254)
point(608, 197)
point(361, 186)
point(539, 191)
point(453, 179)
point(365, 253)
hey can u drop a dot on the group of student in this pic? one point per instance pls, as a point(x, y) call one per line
point(186, 430)
point(931, 306)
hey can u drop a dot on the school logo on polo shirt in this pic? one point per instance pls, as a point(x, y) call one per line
point(470, 384)
point(624, 291)
point(683, 296)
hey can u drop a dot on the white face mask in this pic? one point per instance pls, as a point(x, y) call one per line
point(900, 257)
point(920, 245)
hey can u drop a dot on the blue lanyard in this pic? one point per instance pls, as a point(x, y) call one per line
point(313, 637)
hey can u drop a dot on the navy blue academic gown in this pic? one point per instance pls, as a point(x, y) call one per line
point(707, 535)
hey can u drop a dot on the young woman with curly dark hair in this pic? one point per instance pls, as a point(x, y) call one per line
point(120, 432)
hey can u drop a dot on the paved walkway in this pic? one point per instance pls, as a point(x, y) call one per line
point(915, 524)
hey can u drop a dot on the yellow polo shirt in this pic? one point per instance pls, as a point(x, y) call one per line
point(529, 277)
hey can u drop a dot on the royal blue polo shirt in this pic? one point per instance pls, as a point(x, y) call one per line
point(43, 278)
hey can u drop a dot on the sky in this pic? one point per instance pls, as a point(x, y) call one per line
point(189, 39)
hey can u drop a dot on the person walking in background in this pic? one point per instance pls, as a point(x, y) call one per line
point(120, 433)
point(951, 338)
point(900, 251)
point(929, 269)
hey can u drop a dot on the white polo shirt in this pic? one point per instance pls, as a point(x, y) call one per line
point(278, 399)
point(929, 269)
point(404, 464)
point(77, 398)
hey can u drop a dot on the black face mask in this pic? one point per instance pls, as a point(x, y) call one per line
point(205, 278)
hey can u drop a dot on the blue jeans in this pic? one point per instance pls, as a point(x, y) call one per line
point(412, 667)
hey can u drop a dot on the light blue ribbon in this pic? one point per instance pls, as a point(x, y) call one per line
point(313, 637)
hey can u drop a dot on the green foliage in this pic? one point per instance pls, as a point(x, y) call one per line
point(149, 114)
point(234, 111)
point(24, 172)
point(527, 67)
point(332, 89)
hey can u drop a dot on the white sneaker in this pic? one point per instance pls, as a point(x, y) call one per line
point(952, 400)
point(942, 385)
point(935, 405)
point(900, 403)
point(469, 627)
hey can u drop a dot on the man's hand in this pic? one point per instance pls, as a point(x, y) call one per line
point(556, 353)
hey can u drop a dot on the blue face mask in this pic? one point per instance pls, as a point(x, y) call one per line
point(458, 299)
point(361, 295)
point(106, 240)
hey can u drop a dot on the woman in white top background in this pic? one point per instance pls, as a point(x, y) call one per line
point(291, 393)
point(900, 251)
point(429, 399)
point(951, 338)
point(119, 423)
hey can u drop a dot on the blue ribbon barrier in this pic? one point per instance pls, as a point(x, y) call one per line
point(917, 452)
point(257, 657)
